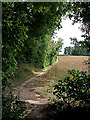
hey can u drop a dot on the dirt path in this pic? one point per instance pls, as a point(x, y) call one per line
point(35, 103)
point(24, 93)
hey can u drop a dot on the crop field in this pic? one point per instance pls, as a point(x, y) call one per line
point(45, 83)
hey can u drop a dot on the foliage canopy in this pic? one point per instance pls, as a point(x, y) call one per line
point(27, 30)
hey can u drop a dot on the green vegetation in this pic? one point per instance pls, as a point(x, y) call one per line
point(27, 37)
point(24, 72)
point(44, 85)
point(27, 30)
point(78, 48)
point(80, 13)
point(75, 87)
point(12, 108)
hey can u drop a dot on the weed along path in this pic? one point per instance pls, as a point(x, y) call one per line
point(24, 93)
point(34, 101)
point(36, 90)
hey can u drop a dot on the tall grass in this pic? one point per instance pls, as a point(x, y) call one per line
point(44, 84)
point(24, 72)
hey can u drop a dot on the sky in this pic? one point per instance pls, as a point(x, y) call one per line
point(68, 31)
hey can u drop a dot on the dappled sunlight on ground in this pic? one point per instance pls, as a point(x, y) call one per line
point(44, 84)
point(34, 72)
point(37, 90)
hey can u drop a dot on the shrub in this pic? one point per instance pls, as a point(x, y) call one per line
point(12, 108)
point(75, 87)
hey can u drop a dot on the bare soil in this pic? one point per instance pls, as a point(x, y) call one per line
point(36, 91)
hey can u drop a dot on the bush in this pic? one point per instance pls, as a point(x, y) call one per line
point(12, 108)
point(75, 87)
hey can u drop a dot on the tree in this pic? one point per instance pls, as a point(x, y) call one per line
point(68, 50)
point(81, 13)
point(55, 47)
point(78, 48)
point(27, 30)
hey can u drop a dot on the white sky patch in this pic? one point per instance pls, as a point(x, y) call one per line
point(68, 31)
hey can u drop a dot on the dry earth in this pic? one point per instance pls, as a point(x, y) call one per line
point(33, 90)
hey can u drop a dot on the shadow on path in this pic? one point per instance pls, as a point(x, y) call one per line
point(48, 112)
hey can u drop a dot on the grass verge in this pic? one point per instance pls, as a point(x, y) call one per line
point(44, 84)
point(24, 72)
